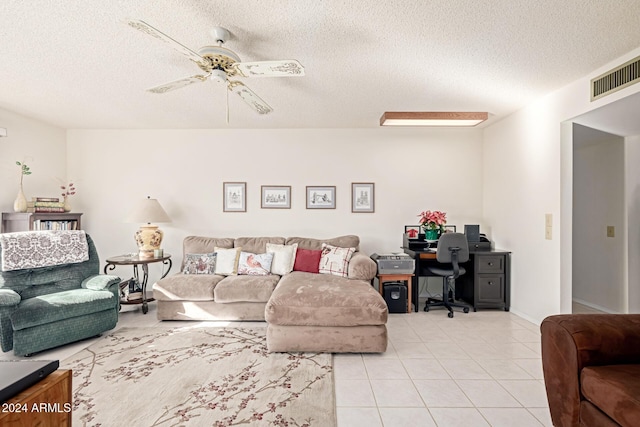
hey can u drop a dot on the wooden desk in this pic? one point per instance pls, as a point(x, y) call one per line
point(397, 278)
point(486, 283)
point(47, 403)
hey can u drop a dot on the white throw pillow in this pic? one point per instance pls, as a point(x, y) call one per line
point(335, 260)
point(227, 261)
point(283, 258)
point(255, 264)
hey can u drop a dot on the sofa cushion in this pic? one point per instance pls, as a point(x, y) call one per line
point(203, 245)
point(349, 241)
point(335, 260)
point(61, 305)
point(307, 260)
point(615, 390)
point(245, 288)
point(200, 264)
point(255, 264)
point(308, 299)
point(257, 245)
point(283, 257)
point(227, 261)
point(186, 287)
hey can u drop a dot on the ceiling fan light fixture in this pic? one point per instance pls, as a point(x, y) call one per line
point(432, 118)
point(218, 76)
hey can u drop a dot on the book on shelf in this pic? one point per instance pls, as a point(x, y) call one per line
point(45, 204)
point(45, 199)
point(45, 209)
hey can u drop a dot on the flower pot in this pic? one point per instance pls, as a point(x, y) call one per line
point(431, 234)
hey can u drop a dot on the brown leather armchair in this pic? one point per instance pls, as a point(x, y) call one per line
point(591, 365)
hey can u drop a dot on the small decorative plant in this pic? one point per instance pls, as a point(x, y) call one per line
point(68, 190)
point(433, 220)
point(24, 170)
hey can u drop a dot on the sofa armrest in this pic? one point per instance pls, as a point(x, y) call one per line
point(362, 267)
point(9, 297)
point(572, 341)
point(100, 282)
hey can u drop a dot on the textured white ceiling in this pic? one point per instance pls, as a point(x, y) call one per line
point(75, 64)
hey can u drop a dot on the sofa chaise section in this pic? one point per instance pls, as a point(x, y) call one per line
point(312, 312)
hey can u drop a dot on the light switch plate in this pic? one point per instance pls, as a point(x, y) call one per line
point(611, 231)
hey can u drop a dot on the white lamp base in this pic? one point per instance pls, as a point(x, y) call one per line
point(148, 237)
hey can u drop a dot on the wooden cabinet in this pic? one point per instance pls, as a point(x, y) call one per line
point(47, 403)
point(26, 221)
point(491, 276)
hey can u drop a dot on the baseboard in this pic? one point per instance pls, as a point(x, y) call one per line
point(594, 306)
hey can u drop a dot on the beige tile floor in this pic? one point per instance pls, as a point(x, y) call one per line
point(477, 369)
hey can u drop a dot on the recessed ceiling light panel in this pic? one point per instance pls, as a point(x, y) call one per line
point(432, 118)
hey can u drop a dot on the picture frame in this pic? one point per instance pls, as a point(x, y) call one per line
point(275, 197)
point(362, 197)
point(412, 231)
point(321, 197)
point(449, 228)
point(234, 196)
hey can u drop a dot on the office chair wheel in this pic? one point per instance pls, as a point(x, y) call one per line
point(450, 314)
point(466, 309)
point(426, 308)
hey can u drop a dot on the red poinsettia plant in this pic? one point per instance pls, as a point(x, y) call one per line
point(433, 220)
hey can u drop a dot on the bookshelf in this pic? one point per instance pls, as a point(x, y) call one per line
point(26, 221)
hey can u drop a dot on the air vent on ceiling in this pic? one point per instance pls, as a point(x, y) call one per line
point(616, 79)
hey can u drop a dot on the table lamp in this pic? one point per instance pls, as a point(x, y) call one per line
point(149, 236)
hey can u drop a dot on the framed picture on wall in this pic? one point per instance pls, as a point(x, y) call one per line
point(275, 197)
point(362, 197)
point(321, 197)
point(234, 196)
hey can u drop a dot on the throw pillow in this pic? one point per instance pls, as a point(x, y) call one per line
point(307, 260)
point(227, 261)
point(255, 264)
point(200, 264)
point(283, 258)
point(335, 260)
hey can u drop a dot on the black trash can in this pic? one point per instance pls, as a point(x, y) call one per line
point(395, 295)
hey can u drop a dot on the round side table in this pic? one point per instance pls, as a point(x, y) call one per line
point(136, 261)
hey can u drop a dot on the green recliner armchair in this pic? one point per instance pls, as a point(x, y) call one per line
point(45, 307)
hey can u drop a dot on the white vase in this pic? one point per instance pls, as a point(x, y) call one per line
point(20, 204)
point(67, 205)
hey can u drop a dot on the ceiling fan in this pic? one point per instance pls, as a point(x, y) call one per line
point(221, 64)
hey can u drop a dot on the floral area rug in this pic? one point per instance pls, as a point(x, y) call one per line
point(199, 376)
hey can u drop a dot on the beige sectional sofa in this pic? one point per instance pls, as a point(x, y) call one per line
point(304, 311)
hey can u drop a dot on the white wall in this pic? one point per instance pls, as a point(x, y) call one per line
point(413, 170)
point(41, 147)
point(524, 173)
point(599, 262)
point(632, 197)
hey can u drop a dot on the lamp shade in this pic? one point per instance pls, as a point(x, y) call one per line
point(148, 210)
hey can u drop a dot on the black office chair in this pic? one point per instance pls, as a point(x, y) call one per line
point(452, 250)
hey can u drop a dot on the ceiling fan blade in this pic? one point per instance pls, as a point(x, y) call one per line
point(285, 68)
point(177, 84)
point(148, 29)
point(250, 97)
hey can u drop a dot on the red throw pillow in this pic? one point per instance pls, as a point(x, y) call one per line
point(307, 260)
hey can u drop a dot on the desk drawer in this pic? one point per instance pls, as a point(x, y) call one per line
point(491, 264)
point(490, 289)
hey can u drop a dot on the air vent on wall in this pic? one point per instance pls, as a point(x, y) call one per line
point(616, 79)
